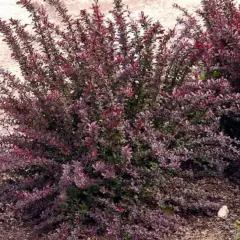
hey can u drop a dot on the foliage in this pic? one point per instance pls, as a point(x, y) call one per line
point(218, 39)
point(104, 107)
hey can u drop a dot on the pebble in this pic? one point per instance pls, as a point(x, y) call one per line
point(223, 212)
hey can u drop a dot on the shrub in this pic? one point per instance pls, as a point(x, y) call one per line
point(218, 37)
point(106, 106)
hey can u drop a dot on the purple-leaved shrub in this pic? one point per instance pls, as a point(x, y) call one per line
point(106, 105)
point(218, 38)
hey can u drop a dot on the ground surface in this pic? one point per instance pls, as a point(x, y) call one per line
point(194, 227)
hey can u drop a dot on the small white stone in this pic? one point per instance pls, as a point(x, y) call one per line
point(223, 212)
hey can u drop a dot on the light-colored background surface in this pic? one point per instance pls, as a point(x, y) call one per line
point(158, 9)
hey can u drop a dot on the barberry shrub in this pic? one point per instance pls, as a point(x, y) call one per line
point(218, 37)
point(105, 108)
